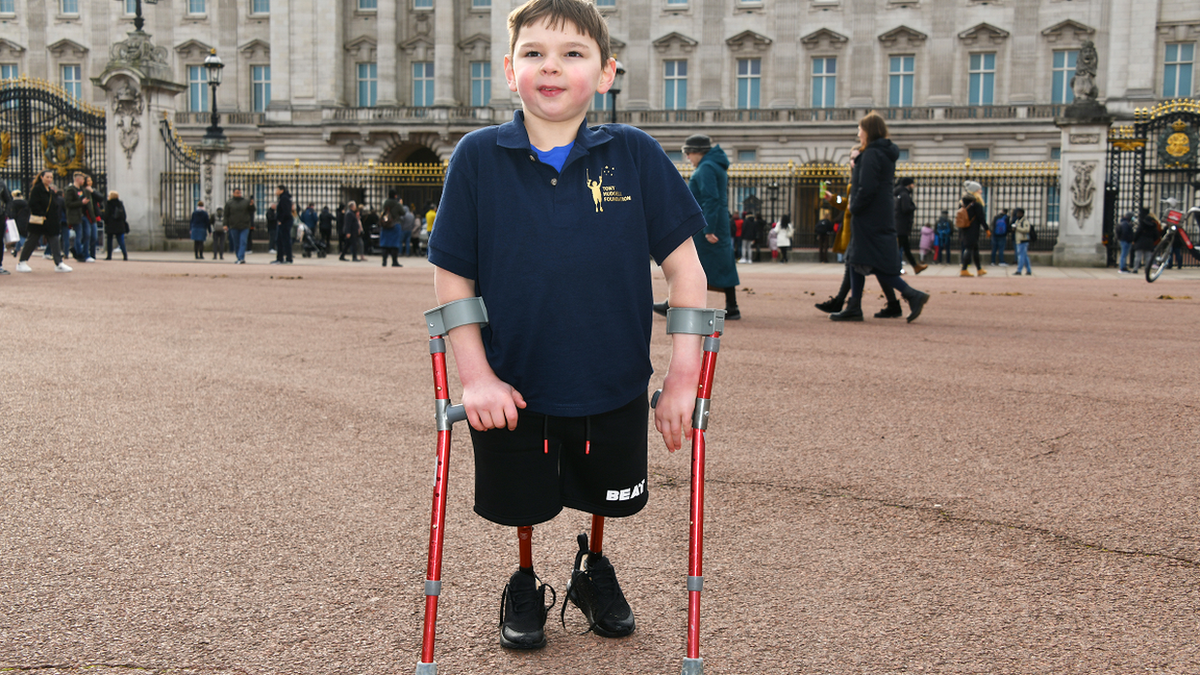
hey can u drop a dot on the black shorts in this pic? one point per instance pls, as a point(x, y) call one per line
point(595, 464)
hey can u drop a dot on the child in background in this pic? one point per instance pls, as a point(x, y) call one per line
point(926, 241)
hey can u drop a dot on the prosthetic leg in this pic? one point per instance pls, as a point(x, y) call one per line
point(440, 321)
point(710, 323)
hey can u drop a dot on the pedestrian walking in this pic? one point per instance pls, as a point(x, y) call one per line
point(1021, 227)
point(926, 243)
point(285, 213)
point(201, 225)
point(116, 225)
point(824, 230)
point(1149, 231)
point(239, 218)
point(906, 210)
point(873, 248)
point(783, 237)
point(970, 221)
point(44, 222)
point(941, 242)
point(1126, 238)
point(999, 237)
point(352, 231)
point(391, 233)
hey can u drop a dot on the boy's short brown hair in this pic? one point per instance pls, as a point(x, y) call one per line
point(580, 13)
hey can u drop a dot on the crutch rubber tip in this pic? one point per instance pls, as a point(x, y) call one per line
point(690, 667)
point(431, 668)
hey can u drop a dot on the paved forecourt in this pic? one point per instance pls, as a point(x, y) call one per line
point(228, 469)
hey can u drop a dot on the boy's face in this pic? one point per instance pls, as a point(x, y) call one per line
point(556, 71)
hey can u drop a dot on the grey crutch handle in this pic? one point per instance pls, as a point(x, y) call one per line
point(444, 318)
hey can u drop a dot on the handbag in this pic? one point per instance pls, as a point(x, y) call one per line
point(11, 235)
point(37, 220)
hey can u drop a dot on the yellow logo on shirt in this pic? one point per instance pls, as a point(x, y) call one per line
point(602, 193)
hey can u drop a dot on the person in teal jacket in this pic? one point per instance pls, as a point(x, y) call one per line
point(714, 244)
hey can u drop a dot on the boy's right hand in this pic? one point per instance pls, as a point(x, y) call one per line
point(491, 404)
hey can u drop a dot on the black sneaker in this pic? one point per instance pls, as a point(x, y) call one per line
point(597, 594)
point(523, 612)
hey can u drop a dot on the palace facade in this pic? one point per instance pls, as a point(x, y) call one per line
point(772, 81)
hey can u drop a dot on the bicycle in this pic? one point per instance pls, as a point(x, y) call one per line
point(1160, 259)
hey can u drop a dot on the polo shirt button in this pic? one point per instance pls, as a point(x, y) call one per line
point(554, 181)
point(532, 158)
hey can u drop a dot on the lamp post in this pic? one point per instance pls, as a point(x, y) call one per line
point(615, 89)
point(138, 20)
point(213, 66)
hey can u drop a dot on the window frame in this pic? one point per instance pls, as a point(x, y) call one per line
point(197, 88)
point(1174, 68)
point(753, 82)
point(981, 77)
point(260, 102)
point(190, 11)
point(482, 80)
point(672, 82)
point(8, 10)
point(370, 82)
point(1060, 76)
point(906, 78)
point(72, 87)
point(64, 11)
point(260, 7)
point(825, 78)
point(424, 80)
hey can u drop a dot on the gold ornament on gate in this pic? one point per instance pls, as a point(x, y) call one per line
point(1178, 143)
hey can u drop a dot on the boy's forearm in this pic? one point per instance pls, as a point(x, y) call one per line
point(687, 286)
point(467, 342)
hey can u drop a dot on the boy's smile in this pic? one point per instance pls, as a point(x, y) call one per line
point(556, 71)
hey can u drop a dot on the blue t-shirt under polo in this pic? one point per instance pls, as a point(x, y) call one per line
point(560, 257)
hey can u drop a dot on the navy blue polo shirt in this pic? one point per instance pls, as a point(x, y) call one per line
point(561, 258)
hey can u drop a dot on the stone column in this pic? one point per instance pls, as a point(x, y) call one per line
point(385, 53)
point(1081, 196)
point(139, 91)
point(443, 53)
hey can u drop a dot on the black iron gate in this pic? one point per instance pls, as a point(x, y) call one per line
point(1150, 162)
point(179, 184)
point(42, 127)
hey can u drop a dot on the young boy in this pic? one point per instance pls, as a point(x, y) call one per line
point(551, 223)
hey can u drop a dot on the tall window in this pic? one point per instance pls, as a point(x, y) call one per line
point(675, 85)
point(130, 7)
point(423, 83)
point(368, 4)
point(979, 154)
point(260, 82)
point(606, 3)
point(481, 83)
point(8, 6)
point(900, 81)
point(68, 6)
point(480, 4)
point(422, 4)
point(8, 71)
point(1177, 70)
point(983, 78)
point(824, 82)
point(749, 78)
point(72, 81)
point(194, 6)
point(197, 88)
point(260, 6)
point(368, 85)
point(1061, 73)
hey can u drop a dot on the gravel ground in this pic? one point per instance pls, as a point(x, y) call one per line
point(216, 469)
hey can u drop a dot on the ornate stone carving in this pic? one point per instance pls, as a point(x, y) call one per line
point(128, 106)
point(139, 54)
point(1083, 191)
point(1083, 82)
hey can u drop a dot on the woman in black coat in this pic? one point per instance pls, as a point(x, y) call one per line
point(116, 224)
point(1148, 233)
point(43, 206)
point(971, 201)
point(873, 248)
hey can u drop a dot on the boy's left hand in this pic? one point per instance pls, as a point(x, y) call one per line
point(673, 414)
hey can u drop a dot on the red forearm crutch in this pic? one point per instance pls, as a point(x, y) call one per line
point(709, 323)
point(440, 321)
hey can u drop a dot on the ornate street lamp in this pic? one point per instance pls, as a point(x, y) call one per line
point(213, 65)
point(616, 89)
point(138, 20)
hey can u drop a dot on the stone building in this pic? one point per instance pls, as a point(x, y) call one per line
point(771, 80)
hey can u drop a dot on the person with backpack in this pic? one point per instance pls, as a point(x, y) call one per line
point(1125, 238)
point(941, 238)
point(970, 221)
point(999, 238)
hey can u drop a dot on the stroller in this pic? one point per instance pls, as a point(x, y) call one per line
point(311, 243)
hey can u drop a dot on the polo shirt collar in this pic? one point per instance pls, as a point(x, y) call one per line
point(514, 135)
